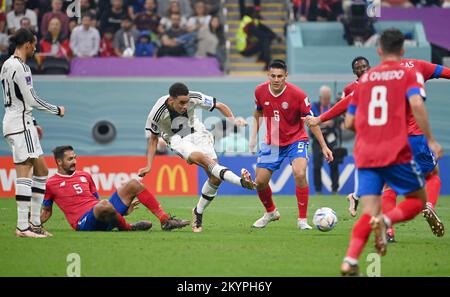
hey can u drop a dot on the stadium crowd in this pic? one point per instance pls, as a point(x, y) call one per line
point(116, 28)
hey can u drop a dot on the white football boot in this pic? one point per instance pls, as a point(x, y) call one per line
point(302, 224)
point(267, 218)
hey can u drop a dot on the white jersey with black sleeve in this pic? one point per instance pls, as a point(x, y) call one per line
point(19, 97)
point(167, 123)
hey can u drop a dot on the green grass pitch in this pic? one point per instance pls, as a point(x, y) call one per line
point(228, 245)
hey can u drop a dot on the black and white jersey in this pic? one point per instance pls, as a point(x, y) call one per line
point(167, 123)
point(19, 97)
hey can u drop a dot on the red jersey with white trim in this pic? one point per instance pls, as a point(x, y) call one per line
point(428, 71)
point(74, 194)
point(349, 88)
point(381, 109)
point(283, 113)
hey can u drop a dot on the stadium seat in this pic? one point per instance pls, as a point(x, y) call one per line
point(53, 65)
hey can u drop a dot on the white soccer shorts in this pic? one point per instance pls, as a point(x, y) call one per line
point(201, 141)
point(25, 145)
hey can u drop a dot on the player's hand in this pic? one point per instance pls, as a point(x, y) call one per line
point(144, 171)
point(62, 111)
point(436, 148)
point(240, 122)
point(252, 146)
point(134, 205)
point(311, 121)
point(328, 154)
point(40, 131)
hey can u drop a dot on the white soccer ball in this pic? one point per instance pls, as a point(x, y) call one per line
point(325, 219)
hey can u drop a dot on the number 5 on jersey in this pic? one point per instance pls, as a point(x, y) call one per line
point(78, 188)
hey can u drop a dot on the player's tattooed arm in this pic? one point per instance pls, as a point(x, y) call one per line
point(46, 213)
point(152, 143)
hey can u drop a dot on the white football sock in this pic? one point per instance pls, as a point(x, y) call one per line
point(37, 196)
point(224, 173)
point(23, 198)
point(209, 191)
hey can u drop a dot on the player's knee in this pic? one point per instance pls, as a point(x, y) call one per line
point(300, 176)
point(215, 181)
point(434, 172)
point(104, 208)
point(261, 185)
point(135, 186)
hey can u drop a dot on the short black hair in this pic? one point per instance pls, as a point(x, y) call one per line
point(58, 152)
point(391, 41)
point(278, 64)
point(359, 58)
point(178, 89)
point(22, 36)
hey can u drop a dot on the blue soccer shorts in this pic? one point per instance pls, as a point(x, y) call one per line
point(88, 222)
point(270, 156)
point(402, 178)
point(423, 155)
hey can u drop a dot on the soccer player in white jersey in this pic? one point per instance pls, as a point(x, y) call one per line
point(21, 132)
point(173, 117)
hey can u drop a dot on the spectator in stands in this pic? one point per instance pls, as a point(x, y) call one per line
point(148, 19)
point(55, 42)
point(88, 6)
point(19, 11)
point(396, 3)
point(112, 18)
point(25, 23)
point(211, 41)
point(134, 7)
point(4, 43)
point(200, 17)
point(85, 39)
point(176, 41)
point(166, 7)
point(145, 46)
point(243, 8)
point(306, 10)
point(38, 6)
point(329, 10)
point(165, 23)
point(106, 44)
point(125, 39)
point(55, 13)
point(329, 133)
point(358, 27)
point(253, 37)
point(213, 7)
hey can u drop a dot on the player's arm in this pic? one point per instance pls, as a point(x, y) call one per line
point(226, 111)
point(421, 117)
point(339, 108)
point(434, 70)
point(47, 206)
point(349, 121)
point(257, 120)
point(152, 143)
point(319, 136)
point(24, 82)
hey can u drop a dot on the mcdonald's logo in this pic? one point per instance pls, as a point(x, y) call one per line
point(172, 174)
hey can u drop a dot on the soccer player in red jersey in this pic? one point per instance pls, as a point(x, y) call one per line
point(378, 113)
point(76, 195)
point(282, 105)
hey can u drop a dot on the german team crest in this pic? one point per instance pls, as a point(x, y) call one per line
point(285, 105)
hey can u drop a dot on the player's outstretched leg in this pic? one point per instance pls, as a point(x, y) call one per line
point(222, 172)
point(135, 188)
point(389, 200)
point(299, 166)
point(265, 195)
point(105, 212)
point(209, 192)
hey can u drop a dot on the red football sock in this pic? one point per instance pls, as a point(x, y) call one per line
point(120, 223)
point(360, 235)
point(389, 199)
point(266, 198)
point(405, 211)
point(149, 201)
point(302, 201)
point(433, 188)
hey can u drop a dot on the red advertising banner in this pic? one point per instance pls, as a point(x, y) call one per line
point(170, 175)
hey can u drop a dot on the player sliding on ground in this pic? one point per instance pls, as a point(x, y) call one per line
point(378, 112)
point(423, 156)
point(173, 116)
point(281, 105)
point(76, 195)
point(22, 134)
